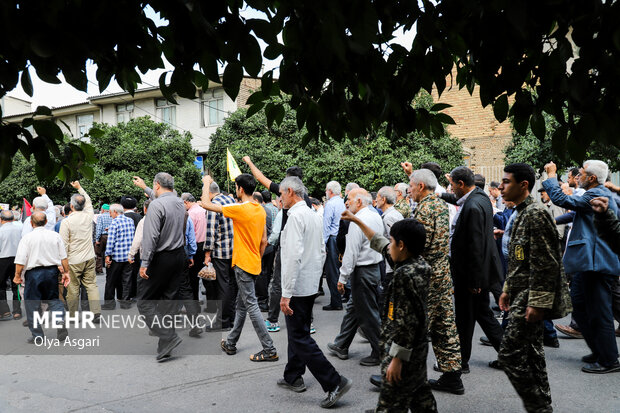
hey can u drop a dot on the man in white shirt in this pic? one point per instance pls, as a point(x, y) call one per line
point(76, 231)
point(361, 264)
point(40, 253)
point(303, 255)
point(9, 240)
point(41, 203)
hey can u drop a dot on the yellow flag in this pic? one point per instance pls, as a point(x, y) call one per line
point(231, 166)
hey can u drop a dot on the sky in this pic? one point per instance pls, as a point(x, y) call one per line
point(46, 94)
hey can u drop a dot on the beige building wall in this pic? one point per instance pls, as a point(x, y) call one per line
point(483, 137)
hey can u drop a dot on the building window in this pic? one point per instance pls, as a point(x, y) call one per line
point(213, 108)
point(124, 112)
point(84, 124)
point(166, 112)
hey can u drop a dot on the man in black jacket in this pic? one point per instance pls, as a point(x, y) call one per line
point(474, 261)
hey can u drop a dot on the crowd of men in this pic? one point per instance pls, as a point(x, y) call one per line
point(411, 263)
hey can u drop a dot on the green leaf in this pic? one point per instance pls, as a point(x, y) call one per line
point(251, 56)
point(266, 83)
point(233, 74)
point(255, 97)
point(47, 128)
point(270, 113)
point(537, 123)
point(43, 111)
point(558, 140)
point(500, 108)
point(273, 51)
point(95, 132)
point(256, 107)
point(444, 118)
point(440, 106)
point(279, 114)
point(88, 172)
point(26, 82)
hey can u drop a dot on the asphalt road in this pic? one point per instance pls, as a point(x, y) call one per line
point(221, 383)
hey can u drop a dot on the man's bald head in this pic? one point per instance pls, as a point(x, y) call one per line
point(358, 198)
point(38, 219)
point(6, 216)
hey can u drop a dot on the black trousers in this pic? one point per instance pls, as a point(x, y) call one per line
point(185, 295)
point(7, 272)
point(469, 309)
point(118, 279)
point(135, 274)
point(262, 282)
point(156, 294)
point(302, 349)
point(199, 262)
point(224, 292)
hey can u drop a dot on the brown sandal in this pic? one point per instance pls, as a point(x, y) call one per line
point(264, 356)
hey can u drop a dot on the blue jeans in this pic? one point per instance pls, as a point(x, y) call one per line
point(41, 284)
point(591, 294)
point(248, 304)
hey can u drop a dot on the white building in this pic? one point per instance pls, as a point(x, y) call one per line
point(200, 116)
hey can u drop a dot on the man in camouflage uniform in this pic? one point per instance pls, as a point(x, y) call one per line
point(433, 213)
point(534, 275)
point(404, 342)
point(402, 204)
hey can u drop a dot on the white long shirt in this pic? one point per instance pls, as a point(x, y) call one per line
point(303, 252)
point(40, 248)
point(50, 213)
point(358, 251)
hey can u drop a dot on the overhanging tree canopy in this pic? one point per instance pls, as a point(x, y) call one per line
point(339, 65)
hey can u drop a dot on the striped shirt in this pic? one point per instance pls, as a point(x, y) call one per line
point(219, 238)
point(120, 237)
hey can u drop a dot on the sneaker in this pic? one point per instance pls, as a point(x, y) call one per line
point(495, 365)
point(312, 329)
point(598, 369)
point(552, 342)
point(341, 353)
point(273, 327)
point(335, 395)
point(370, 361)
point(376, 380)
point(195, 332)
point(298, 385)
point(569, 331)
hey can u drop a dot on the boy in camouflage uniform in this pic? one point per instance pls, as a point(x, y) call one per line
point(404, 342)
point(535, 275)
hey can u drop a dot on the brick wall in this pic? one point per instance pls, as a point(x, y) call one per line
point(483, 137)
point(247, 87)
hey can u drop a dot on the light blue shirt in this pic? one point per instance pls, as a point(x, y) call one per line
point(334, 208)
point(190, 240)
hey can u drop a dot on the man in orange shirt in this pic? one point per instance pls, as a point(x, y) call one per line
point(249, 243)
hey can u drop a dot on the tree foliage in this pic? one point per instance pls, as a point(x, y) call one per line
point(371, 161)
point(140, 147)
point(536, 152)
point(339, 63)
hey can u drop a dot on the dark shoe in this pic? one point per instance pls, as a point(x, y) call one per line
point(229, 349)
point(464, 369)
point(125, 305)
point(107, 307)
point(166, 350)
point(341, 353)
point(62, 333)
point(448, 382)
point(330, 308)
point(6, 317)
point(335, 395)
point(97, 319)
point(298, 385)
point(589, 359)
point(195, 332)
point(598, 369)
point(25, 323)
point(376, 380)
point(618, 332)
point(264, 355)
point(370, 361)
point(320, 293)
point(569, 331)
point(495, 365)
point(485, 341)
point(552, 342)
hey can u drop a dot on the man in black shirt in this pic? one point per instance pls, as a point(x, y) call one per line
point(129, 204)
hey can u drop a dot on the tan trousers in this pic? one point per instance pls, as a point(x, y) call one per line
point(83, 273)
